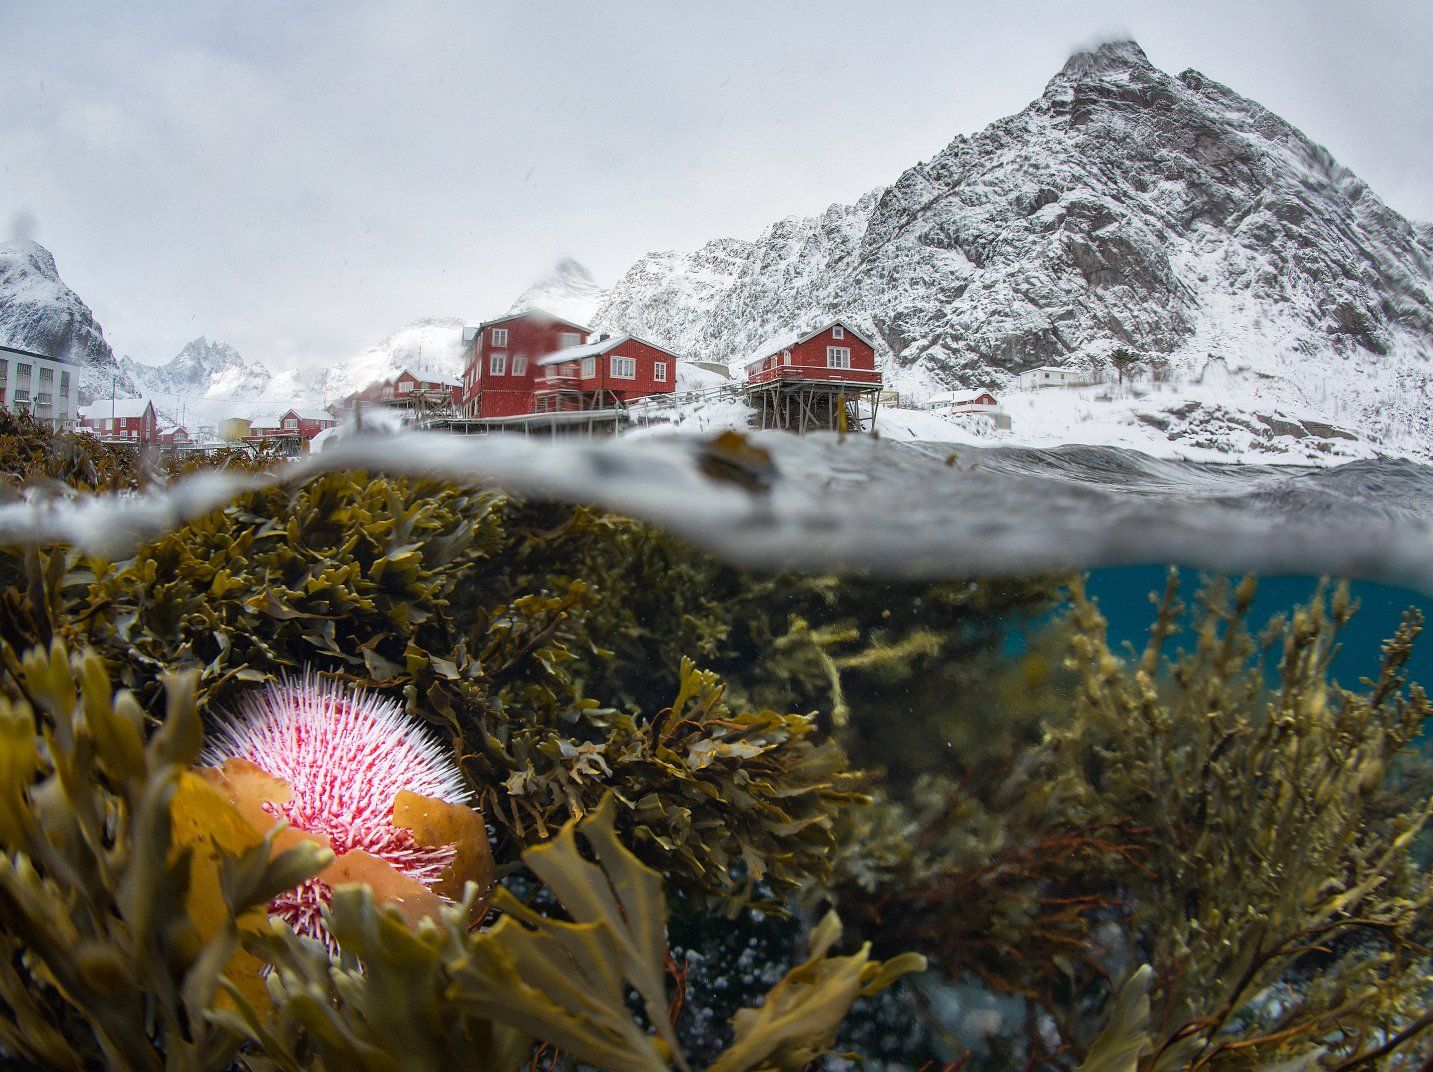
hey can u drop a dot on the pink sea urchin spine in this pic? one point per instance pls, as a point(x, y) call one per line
point(345, 753)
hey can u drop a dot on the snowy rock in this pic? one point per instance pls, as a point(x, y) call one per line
point(568, 291)
point(202, 368)
point(38, 312)
point(1123, 208)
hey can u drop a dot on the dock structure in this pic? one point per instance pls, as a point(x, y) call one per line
point(825, 380)
point(583, 422)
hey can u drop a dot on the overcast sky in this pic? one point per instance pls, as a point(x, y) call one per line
point(302, 179)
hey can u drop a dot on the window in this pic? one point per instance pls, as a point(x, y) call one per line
point(64, 382)
point(22, 372)
point(624, 368)
point(786, 357)
point(498, 363)
point(405, 387)
point(659, 372)
point(589, 367)
point(838, 357)
point(47, 376)
point(291, 423)
point(500, 336)
point(838, 332)
point(519, 365)
point(568, 339)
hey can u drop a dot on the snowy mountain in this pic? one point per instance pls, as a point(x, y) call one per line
point(568, 291)
point(1123, 208)
point(38, 312)
point(202, 368)
point(433, 345)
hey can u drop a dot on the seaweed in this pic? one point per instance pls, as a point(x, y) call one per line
point(131, 894)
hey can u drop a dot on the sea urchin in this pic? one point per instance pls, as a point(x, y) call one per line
point(344, 756)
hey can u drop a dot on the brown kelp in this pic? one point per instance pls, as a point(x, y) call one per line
point(1040, 814)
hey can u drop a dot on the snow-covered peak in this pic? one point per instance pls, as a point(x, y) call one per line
point(1125, 208)
point(433, 345)
point(568, 292)
point(203, 368)
point(1112, 60)
point(38, 312)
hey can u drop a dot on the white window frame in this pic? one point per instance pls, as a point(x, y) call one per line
point(519, 365)
point(838, 332)
point(623, 368)
point(497, 364)
point(589, 368)
point(568, 339)
point(838, 357)
point(659, 371)
point(499, 336)
point(405, 387)
point(291, 424)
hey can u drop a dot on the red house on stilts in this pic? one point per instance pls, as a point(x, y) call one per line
point(824, 380)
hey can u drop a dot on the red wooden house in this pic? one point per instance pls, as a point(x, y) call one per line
point(603, 374)
point(406, 389)
point(502, 370)
point(293, 428)
point(131, 419)
point(825, 379)
point(834, 354)
point(173, 435)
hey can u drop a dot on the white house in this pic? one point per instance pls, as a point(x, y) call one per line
point(45, 387)
point(1050, 376)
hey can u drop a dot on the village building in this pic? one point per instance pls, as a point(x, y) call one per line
point(173, 435)
point(44, 387)
point(422, 392)
point(962, 402)
point(291, 430)
point(1050, 376)
point(500, 375)
point(122, 420)
point(825, 379)
point(604, 374)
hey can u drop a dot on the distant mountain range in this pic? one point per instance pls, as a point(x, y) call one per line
point(1125, 209)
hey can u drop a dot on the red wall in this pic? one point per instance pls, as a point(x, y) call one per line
point(813, 351)
point(645, 383)
point(808, 361)
point(142, 428)
point(530, 335)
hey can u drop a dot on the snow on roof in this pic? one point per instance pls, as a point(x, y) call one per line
point(601, 346)
point(115, 407)
point(1055, 368)
point(776, 343)
point(542, 314)
point(957, 397)
point(265, 422)
point(577, 353)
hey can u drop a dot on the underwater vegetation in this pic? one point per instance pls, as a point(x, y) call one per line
point(645, 783)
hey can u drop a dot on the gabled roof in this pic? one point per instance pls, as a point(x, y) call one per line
point(771, 347)
point(957, 397)
point(542, 313)
point(118, 408)
point(595, 349)
point(1053, 368)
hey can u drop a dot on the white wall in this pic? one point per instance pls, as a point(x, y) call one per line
point(31, 381)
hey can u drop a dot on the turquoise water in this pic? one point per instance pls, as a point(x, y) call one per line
point(1124, 598)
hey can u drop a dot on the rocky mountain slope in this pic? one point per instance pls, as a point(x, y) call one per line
point(202, 368)
point(1123, 208)
point(568, 291)
point(434, 345)
point(38, 312)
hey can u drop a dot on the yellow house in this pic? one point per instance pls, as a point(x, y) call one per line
point(233, 429)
